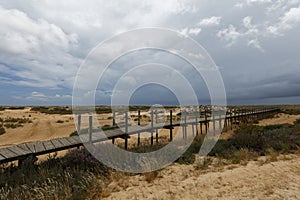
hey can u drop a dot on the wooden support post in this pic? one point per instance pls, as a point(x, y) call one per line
point(20, 163)
point(90, 128)
point(225, 120)
point(126, 130)
point(201, 131)
point(152, 119)
point(139, 124)
point(231, 119)
point(156, 130)
point(214, 122)
point(79, 124)
point(205, 118)
point(114, 118)
point(185, 126)
point(197, 122)
point(193, 130)
point(220, 121)
point(113, 140)
point(171, 126)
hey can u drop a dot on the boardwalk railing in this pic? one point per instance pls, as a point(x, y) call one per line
point(22, 151)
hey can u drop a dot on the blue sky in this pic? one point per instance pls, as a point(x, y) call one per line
point(254, 43)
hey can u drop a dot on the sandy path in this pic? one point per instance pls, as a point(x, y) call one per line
point(277, 180)
point(280, 119)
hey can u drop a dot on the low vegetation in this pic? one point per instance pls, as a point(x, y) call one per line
point(53, 110)
point(2, 130)
point(290, 109)
point(78, 175)
point(73, 176)
point(60, 121)
point(251, 141)
point(13, 122)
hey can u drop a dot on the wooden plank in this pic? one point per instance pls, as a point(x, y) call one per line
point(17, 150)
point(77, 138)
point(2, 157)
point(7, 154)
point(39, 147)
point(25, 148)
point(57, 143)
point(64, 141)
point(48, 145)
point(72, 141)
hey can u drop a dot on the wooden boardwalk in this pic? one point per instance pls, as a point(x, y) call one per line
point(23, 151)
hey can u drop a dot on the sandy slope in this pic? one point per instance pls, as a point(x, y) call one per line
point(280, 119)
point(43, 127)
point(277, 180)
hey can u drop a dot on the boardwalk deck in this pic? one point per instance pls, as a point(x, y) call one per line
point(21, 151)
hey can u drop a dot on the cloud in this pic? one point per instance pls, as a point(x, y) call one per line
point(20, 34)
point(39, 97)
point(288, 21)
point(43, 43)
point(244, 3)
point(229, 34)
point(256, 44)
point(190, 31)
point(212, 21)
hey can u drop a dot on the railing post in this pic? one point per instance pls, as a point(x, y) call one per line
point(220, 121)
point(156, 130)
point(126, 130)
point(214, 122)
point(79, 124)
point(196, 121)
point(230, 119)
point(114, 118)
point(152, 127)
point(139, 124)
point(171, 126)
point(185, 125)
point(205, 118)
point(90, 128)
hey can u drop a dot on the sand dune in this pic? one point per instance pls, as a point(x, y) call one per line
point(43, 127)
point(280, 119)
point(277, 180)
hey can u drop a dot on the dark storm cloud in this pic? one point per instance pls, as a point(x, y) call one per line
point(255, 44)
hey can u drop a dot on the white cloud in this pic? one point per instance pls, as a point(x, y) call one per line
point(212, 21)
point(30, 35)
point(229, 34)
point(256, 44)
point(36, 52)
point(288, 21)
point(39, 96)
point(190, 31)
point(248, 22)
point(195, 31)
point(244, 3)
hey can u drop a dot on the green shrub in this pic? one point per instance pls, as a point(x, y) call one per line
point(258, 140)
point(2, 130)
point(12, 125)
point(70, 177)
point(74, 133)
point(53, 110)
point(60, 121)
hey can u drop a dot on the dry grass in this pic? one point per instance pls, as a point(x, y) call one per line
point(151, 176)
